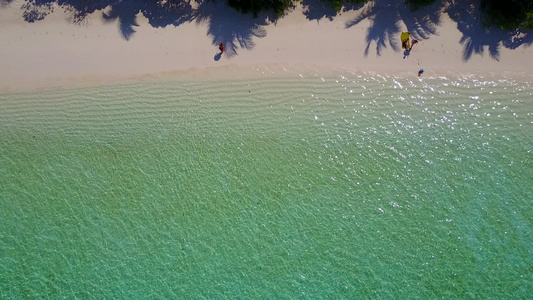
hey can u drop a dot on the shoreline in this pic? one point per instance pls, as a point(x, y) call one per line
point(53, 53)
point(232, 73)
point(258, 73)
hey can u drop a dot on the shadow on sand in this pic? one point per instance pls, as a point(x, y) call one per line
point(228, 26)
point(234, 29)
point(172, 13)
point(158, 13)
point(387, 15)
point(388, 18)
point(476, 38)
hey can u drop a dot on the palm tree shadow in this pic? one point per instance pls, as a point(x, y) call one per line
point(422, 23)
point(37, 10)
point(125, 13)
point(158, 13)
point(384, 27)
point(475, 37)
point(235, 29)
point(225, 24)
point(387, 15)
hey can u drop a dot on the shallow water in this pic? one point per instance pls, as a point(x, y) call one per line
point(339, 188)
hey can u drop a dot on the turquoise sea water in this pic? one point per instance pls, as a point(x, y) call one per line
point(320, 188)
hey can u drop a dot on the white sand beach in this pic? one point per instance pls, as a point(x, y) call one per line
point(120, 43)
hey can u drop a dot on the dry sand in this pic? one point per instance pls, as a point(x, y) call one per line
point(55, 52)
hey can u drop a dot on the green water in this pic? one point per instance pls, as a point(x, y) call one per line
point(334, 188)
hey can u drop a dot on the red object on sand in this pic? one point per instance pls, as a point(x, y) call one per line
point(221, 47)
